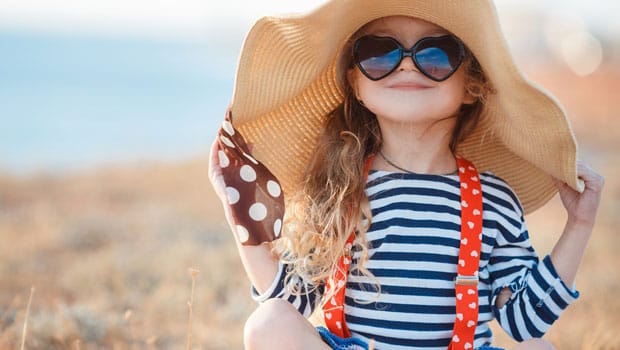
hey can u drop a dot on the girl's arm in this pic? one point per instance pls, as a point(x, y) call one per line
point(259, 263)
point(581, 209)
point(260, 266)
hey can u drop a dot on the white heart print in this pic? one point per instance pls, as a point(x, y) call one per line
point(456, 339)
point(459, 316)
point(459, 296)
point(328, 315)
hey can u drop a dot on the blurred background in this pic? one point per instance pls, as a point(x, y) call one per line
point(107, 112)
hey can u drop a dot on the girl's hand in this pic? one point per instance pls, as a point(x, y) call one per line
point(582, 207)
point(251, 195)
point(217, 179)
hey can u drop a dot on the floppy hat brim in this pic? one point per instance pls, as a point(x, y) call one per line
point(287, 82)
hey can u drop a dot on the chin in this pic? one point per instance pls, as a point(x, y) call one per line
point(407, 115)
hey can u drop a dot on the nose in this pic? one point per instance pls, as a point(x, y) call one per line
point(407, 63)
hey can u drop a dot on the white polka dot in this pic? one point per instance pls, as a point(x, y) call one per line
point(233, 195)
point(258, 211)
point(224, 161)
point(243, 234)
point(250, 158)
point(227, 126)
point(247, 173)
point(276, 227)
point(227, 141)
point(273, 188)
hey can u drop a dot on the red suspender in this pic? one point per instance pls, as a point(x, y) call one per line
point(466, 282)
point(333, 310)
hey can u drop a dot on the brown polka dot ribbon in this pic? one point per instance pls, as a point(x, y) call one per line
point(254, 193)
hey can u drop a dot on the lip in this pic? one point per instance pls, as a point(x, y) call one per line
point(408, 86)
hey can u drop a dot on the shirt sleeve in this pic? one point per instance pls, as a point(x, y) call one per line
point(305, 302)
point(539, 295)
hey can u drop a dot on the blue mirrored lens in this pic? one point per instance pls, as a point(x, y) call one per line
point(377, 66)
point(435, 62)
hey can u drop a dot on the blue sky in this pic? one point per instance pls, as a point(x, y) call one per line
point(191, 18)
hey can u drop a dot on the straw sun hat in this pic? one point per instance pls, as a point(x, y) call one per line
point(287, 82)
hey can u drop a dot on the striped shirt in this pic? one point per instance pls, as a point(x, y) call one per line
point(414, 246)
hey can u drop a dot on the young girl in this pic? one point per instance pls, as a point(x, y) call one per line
point(409, 149)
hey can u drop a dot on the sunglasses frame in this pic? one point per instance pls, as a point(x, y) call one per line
point(409, 53)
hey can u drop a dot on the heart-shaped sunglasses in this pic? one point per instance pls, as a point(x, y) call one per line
point(436, 57)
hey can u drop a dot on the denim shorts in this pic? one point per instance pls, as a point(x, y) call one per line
point(337, 343)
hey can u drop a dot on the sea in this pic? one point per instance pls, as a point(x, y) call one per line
point(72, 101)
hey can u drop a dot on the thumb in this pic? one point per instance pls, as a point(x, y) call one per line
point(558, 183)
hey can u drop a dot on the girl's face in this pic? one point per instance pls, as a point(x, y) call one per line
point(429, 101)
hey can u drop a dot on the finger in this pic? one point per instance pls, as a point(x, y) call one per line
point(559, 183)
point(587, 174)
point(213, 157)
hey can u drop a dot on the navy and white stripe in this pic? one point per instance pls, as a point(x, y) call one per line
point(415, 239)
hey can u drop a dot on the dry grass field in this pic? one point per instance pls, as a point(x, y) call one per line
point(108, 250)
